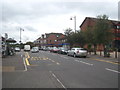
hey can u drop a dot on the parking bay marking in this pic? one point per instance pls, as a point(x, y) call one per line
point(57, 80)
point(112, 70)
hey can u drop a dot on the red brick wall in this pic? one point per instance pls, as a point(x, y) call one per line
point(52, 37)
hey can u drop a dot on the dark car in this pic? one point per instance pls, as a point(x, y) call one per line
point(63, 50)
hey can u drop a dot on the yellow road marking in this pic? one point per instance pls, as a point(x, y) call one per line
point(39, 58)
point(28, 55)
point(27, 62)
point(104, 61)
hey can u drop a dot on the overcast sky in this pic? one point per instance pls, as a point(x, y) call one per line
point(37, 17)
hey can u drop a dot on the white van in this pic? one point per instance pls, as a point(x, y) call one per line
point(26, 47)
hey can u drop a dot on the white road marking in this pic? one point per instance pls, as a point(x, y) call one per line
point(52, 60)
point(64, 57)
point(58, 63)
point(57, 80)
point(25, 64)
point(84, 62)
point(112, 70)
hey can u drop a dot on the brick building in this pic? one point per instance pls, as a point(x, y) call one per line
point(50, 40)
point(115, 27)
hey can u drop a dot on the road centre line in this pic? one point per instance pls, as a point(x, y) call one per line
point(64, 57)
point(112, 70)
point(84, 62)
point(58, 80)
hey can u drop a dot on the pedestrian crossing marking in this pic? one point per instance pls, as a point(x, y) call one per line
point(39, 58)
point(43, 58)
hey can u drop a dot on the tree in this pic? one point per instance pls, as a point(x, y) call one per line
point(102, 31)
point(68, 31)
point(30, 43)
point(80, 38)
point(69, 36)
point(90, 39)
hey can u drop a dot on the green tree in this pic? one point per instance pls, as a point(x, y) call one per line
point(90, 39)
point(69, 36)
point(68, 31)
point(30, 43)
point(102, 31)
point(80, 38)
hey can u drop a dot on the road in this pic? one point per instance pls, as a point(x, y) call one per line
point(52, 70)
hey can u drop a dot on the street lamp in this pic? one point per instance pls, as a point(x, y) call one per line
point(74, 22)
point(20, 36)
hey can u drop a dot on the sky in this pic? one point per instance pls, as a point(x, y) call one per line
point(37, 17)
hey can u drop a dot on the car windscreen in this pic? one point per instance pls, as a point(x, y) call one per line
point(82, 49)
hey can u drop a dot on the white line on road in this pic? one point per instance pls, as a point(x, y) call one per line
point(57, 80)
point(64, 57)
point(84, 62)
point(25, 64)
point(112, 70)
point(58, 63)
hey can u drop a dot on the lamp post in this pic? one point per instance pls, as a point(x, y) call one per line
point(74, 22)
point(20, 36)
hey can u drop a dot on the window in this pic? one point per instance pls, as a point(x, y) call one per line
point(57, 36)
point(118, 27)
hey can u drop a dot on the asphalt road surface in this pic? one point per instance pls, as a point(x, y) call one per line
point(52, 70)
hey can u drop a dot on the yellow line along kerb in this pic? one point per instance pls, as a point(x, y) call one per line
point(27, 62)
point(104, 61)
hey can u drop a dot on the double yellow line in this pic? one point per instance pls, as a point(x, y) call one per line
point(27, 56)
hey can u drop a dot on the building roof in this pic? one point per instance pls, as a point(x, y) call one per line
point(96, 19)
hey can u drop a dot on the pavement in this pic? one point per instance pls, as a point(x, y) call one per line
point(111, 58)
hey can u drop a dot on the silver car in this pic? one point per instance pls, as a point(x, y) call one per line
point(35, 49)
point(77, 52)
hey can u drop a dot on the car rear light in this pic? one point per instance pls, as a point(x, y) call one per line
point(77, 51)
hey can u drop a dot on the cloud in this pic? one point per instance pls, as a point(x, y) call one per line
point(38, 17)
point(29, 28)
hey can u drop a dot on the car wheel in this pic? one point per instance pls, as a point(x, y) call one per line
point(74, 55)
point(67, 54)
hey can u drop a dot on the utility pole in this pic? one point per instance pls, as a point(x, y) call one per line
point(20, 36)
point(74, 22)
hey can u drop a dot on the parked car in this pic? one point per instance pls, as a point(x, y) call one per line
point(77, 52)
point(17, 49)
point(55, 50)
point(35, 49)
point(63, 50)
